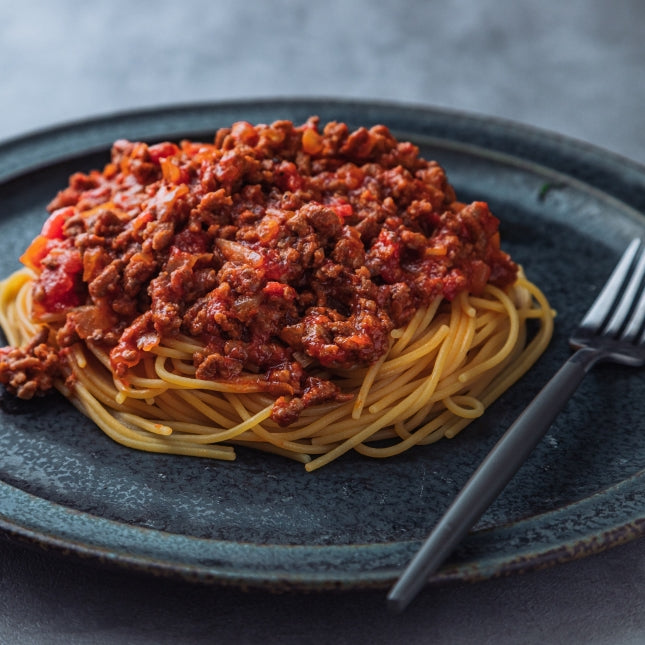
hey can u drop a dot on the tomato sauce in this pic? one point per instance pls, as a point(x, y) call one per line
point(275, 246)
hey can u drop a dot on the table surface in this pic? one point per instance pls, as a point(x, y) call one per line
point(575, 67)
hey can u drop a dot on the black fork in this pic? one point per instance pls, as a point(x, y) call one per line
point(612, 330)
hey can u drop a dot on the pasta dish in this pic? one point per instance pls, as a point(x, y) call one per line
point(305, 290)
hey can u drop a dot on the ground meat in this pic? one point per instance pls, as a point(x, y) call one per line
point(275, 246)
point(287, 409)
point(30, 370)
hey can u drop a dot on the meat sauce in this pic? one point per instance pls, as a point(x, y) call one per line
point(275, 246)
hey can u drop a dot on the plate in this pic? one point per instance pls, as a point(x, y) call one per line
point(567, 211)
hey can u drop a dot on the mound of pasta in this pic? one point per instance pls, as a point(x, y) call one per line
point(302, 290)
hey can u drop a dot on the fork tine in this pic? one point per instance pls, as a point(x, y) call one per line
point(637, 319)
point(630, 296)
point(636, 323)
point(602, 305)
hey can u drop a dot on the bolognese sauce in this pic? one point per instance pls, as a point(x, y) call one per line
point(276, 246)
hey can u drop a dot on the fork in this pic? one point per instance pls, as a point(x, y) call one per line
point(612, 330)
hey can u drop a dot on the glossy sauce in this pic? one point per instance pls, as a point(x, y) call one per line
point(276, 246)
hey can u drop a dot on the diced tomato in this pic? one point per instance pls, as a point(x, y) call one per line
point(49, 238)
point(59, 292)
point(160, 151)
point(53, 226)
point(279, 290)
point(59, 282)
point(343, 210)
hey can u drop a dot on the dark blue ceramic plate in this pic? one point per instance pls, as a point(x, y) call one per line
point(567, 211)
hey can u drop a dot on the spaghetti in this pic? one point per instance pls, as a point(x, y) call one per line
point(297, 291)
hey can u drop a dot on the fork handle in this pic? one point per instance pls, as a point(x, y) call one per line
point(486, 483)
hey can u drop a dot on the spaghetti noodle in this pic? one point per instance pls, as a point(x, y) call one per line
point(300, 292)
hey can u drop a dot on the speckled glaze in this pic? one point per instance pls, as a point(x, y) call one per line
point(567, 211)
